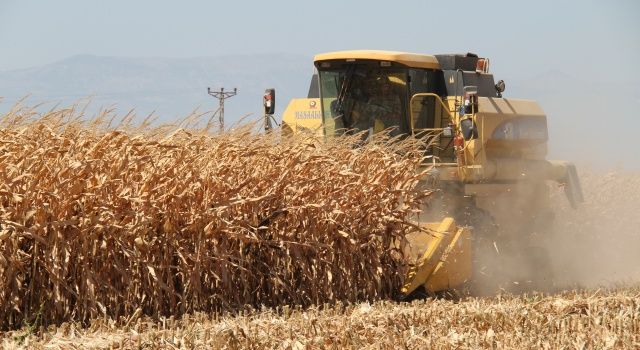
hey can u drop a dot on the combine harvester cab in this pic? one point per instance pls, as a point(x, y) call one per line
point(486, 153)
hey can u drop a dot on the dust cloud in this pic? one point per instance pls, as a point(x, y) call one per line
point(597, 244)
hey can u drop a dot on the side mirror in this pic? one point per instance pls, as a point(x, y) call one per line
point(469, 129)
point(500, 86)
point(269, 101)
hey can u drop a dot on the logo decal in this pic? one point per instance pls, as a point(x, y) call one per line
point(312, 104)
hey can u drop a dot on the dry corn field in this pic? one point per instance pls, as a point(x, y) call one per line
point(167, 237)
point(100, 222)
point(586, 320)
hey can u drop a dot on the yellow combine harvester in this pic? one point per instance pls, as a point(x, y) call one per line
point(487, 157)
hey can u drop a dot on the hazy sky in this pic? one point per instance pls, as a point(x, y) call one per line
point(575, 37)
point(589, 50)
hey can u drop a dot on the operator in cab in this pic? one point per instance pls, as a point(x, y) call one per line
point(373, 103)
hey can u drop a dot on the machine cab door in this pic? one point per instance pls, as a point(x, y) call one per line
point(430, 117)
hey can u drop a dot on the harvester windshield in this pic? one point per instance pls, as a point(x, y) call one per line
point(357, 97)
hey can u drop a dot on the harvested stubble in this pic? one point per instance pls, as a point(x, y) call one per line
point(584, 320)
point(98, 222)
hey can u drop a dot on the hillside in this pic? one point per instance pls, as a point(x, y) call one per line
point(172, 87)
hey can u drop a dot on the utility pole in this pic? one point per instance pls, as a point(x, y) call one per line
point(221, 96)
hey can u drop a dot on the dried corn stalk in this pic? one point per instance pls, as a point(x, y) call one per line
point(99, 221)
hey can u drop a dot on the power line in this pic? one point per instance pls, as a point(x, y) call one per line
point(221, 96)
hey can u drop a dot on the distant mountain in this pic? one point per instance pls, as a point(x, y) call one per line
point(172, 87)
